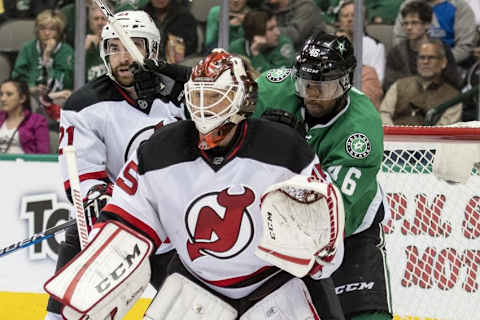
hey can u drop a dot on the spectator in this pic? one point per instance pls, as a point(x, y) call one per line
point(373, 53)
point(178, 27)
point(453, 22)
point(297, 18)
point(402, 58)
point(21, 131)
point(475, 5)
point(46, 63)
point(238, 10)
point(263, 44)
point(408, 99)
point(94, 66)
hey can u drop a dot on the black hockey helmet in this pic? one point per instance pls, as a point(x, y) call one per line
point(325, 57)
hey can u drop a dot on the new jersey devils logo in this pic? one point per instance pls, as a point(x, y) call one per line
point(219, 224)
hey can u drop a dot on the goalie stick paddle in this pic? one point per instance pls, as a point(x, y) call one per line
point(37, 237)
point(124, 38)
point(71, 160)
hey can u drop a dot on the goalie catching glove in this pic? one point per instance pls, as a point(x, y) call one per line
point(106, 279)
point(303, 221)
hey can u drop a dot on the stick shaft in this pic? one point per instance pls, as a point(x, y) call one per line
point(37, 237)
point(122, 35)
point(71, 160)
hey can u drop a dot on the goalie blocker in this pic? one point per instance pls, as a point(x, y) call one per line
point(303, 220)
point(106, 279)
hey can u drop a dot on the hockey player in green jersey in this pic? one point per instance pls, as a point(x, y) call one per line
point(345, 130)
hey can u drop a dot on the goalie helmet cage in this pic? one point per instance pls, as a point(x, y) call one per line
point(433, 234)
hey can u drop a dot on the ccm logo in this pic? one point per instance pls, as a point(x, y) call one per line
point(356, 286)
point(118, 271)
point(310, 70)
point(271, 232)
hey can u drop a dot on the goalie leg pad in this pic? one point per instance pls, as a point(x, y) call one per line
point(303, 222)
point(106, 278)
point(180, 298)
point(289, 302)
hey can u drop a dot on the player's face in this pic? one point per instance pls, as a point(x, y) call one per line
point(211, 102)
point(319, 97)
point(272, 32)
point(10, 98)
point(120, 60)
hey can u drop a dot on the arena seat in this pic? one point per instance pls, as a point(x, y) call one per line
point(14, 33)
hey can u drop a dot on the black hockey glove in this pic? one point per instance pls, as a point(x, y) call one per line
point(285, 117)
point(159, 80)
point(97, 197)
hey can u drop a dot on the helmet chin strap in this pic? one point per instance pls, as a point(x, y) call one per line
point(213, 138)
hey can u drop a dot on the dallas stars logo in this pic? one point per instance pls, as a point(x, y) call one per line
point(278, 75)
point(358, 146)
point(341, 47)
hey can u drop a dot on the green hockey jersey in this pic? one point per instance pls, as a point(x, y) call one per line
point(350, 146)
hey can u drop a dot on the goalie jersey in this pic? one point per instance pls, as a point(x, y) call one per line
point(106, 126)
point(350, 146)
point(209, 206)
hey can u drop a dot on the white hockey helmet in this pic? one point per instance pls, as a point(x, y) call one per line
point(136, 24)
point(227, 76)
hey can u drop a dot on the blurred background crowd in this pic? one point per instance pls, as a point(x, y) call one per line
point(416, 54)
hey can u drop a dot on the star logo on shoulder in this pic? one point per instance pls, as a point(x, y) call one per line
point(341, 47)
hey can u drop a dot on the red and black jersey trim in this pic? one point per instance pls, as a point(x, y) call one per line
point(111, 211)
point(244, 281)
point(99, 175)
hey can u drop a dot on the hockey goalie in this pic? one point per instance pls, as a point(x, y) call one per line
point(248, 224)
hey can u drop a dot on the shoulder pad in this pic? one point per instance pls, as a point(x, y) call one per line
point(278, 75)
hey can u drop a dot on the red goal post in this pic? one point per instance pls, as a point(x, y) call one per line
point(431, 178)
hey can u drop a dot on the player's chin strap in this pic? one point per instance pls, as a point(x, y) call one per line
point(213, 138)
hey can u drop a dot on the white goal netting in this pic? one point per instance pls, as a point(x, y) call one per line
point(433, 236)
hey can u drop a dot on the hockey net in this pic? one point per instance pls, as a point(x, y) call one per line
point(433, 236)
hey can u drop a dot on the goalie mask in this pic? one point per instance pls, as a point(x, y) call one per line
point(219, 94)
point(324, 68)
point(137, 25)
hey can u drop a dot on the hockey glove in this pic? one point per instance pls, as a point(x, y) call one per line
point(285, 117)
point(97, 197)
point(151, 83)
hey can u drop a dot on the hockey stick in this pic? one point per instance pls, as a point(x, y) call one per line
point(71, 160)
point(124, 38)
point(37, 237)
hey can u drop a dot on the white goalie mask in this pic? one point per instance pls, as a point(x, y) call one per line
point(136, 24)
point(223, 77)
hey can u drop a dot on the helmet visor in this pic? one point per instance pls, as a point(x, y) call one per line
point(321, 90)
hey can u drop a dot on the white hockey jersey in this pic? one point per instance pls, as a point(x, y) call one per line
point(106, 126)
point(208, 205)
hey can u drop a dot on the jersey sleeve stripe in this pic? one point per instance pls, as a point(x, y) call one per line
point(135, 222)
point(91, 175)
point(285, 257)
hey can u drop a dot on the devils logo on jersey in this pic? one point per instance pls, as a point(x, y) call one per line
point(219, 224)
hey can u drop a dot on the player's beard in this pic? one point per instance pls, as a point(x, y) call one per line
point(123, 75)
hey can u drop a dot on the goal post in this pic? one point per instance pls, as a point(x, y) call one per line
point(431, 178)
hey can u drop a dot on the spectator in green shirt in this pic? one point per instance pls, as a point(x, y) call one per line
point(263, 44)
point(238, 10)
point(94, 66)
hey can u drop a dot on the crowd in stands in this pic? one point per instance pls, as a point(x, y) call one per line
point(435, 54)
